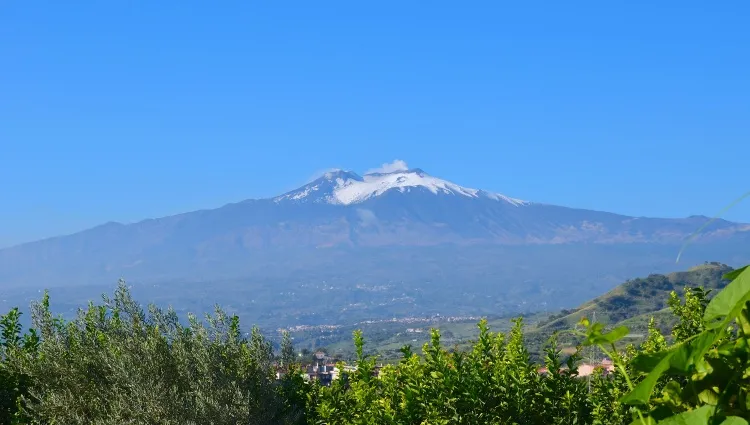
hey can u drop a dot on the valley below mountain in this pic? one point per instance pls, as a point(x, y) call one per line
point(632, 303)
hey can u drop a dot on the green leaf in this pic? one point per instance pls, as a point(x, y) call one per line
point(699, 416)
point(596, 337)
point(734, 273)
point(642, 392)
point(616, 334)
point(734, 420)
point(728, 303)
point(646, 362)
point(677, 358)
point(647, 420)
point(708, 396)
point(673, 392)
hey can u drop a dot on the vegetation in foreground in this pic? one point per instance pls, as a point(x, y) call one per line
point(118, 364)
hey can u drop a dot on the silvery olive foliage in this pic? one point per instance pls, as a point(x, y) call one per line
point(118, 364)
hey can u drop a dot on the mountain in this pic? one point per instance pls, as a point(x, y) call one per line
point(411, 207)
point(425, 244)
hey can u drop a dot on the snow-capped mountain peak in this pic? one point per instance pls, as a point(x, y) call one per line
point(342, 187)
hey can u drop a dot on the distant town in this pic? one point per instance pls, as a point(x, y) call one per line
point(435, 318)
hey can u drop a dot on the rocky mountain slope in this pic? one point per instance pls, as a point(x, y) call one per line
point(437, 246)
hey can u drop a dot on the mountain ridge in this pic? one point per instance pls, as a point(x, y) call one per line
point(393, 192)
point(402, 189)
point(421, 244)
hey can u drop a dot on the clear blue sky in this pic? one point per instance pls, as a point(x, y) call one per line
point(128, 110)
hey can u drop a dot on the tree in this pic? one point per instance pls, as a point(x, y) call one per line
point(287, 350)
point(116, 363)
point(13, 384)
point(689, 313)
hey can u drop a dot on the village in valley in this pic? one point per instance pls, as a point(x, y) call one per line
point(324, 369)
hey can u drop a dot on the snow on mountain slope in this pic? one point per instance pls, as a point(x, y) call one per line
point(345, 188)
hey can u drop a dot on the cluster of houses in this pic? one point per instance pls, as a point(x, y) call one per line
point(323, 369)
point(586, 369)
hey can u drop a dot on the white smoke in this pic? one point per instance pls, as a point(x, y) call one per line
point(395, 165)
point(367, 217)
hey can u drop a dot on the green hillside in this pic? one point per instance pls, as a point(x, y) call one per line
point(634, 302)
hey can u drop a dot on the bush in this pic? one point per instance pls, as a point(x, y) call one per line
point(116, 363)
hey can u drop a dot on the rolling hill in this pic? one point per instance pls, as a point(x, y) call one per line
point(641, 297)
